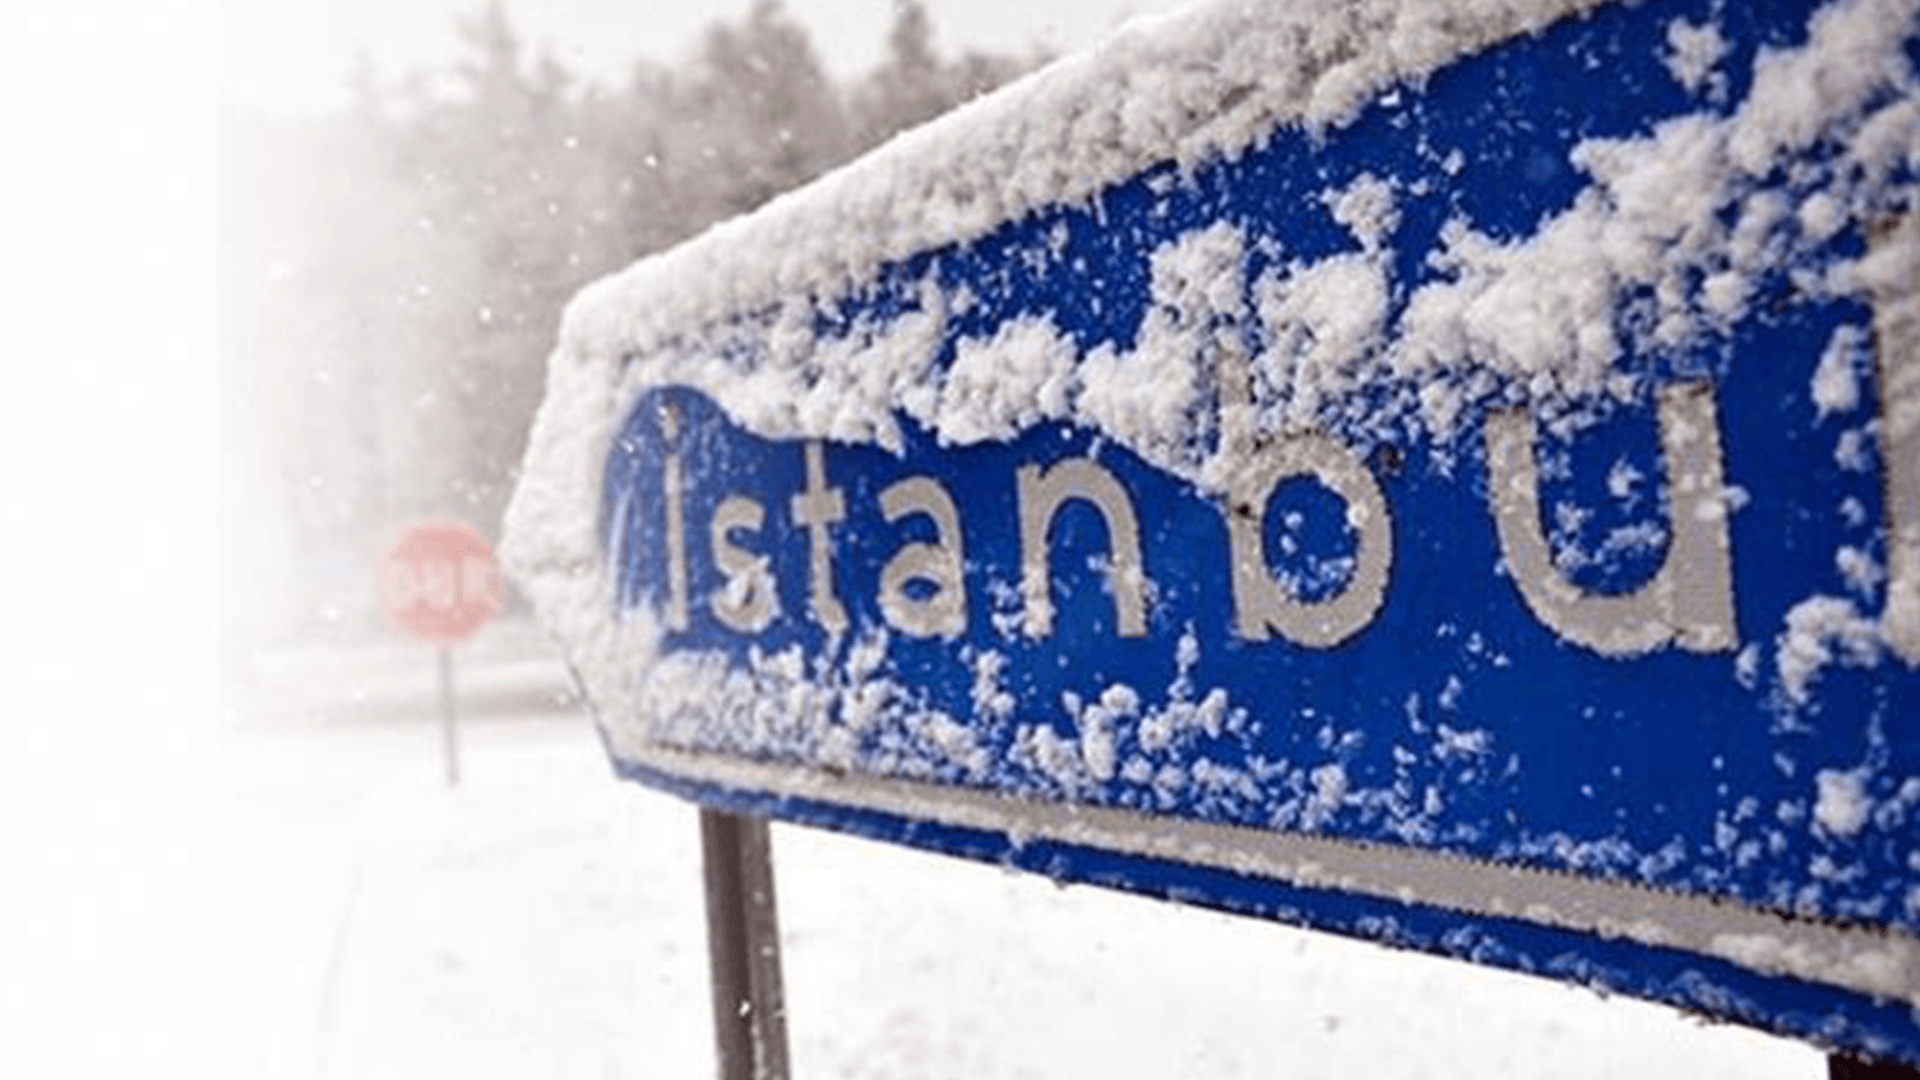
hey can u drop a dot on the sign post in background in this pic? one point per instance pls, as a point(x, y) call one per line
point(440, 584)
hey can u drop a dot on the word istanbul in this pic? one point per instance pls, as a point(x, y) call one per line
point(1687, 603)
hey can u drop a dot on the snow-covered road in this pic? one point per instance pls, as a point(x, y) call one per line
point(544, 920)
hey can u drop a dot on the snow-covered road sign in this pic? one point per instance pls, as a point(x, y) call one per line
point(1442, 472)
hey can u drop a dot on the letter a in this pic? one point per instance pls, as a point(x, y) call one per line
point(940, 564)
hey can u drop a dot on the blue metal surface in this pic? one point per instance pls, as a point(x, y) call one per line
point(1455, 720)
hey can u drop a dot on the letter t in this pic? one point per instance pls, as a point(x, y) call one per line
point(818, 508)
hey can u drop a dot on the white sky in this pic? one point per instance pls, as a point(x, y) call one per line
point(295, 54)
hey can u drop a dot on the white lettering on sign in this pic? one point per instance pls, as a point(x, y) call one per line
point(1896, 327)
point(1260, 602)
point(939, 564)
point(441, 584)
point(1686, 604)
point(478, 580)
point(819, 508)
point(1689, 602)
point(1042, 494)
point(675, 489)
point(745, 602)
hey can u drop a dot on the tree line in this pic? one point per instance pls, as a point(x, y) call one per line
point(392, 274)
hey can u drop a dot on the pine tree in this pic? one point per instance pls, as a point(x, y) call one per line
point(909, 87)
point(772, 120)
point(394, 283)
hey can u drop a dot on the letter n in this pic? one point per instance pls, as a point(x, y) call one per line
point(1042, 493)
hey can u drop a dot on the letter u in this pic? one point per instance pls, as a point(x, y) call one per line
point(1689, 603)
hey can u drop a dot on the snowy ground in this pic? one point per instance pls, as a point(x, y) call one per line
point(544, 920)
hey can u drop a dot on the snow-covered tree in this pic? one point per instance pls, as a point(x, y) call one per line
point(765, 117)
point(912, 84)
point(394, 276)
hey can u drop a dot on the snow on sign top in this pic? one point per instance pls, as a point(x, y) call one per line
point(1442, 472)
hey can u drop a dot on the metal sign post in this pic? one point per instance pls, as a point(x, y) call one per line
point(1846, 1068)
point(440, 584)
point(743, 941)
point(449, 722)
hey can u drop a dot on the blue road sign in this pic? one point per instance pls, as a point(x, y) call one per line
point(1457, 486)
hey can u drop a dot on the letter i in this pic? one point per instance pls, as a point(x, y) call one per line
point(675, 487)
point(1897, 370)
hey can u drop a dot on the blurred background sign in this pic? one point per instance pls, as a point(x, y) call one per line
point(440, 583)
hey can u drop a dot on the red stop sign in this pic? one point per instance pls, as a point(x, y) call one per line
point(440, 582)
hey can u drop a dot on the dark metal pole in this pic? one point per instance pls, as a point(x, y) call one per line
point(1846, 1068)
point(763, 923)
point(743, 943)
point(448, 728)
